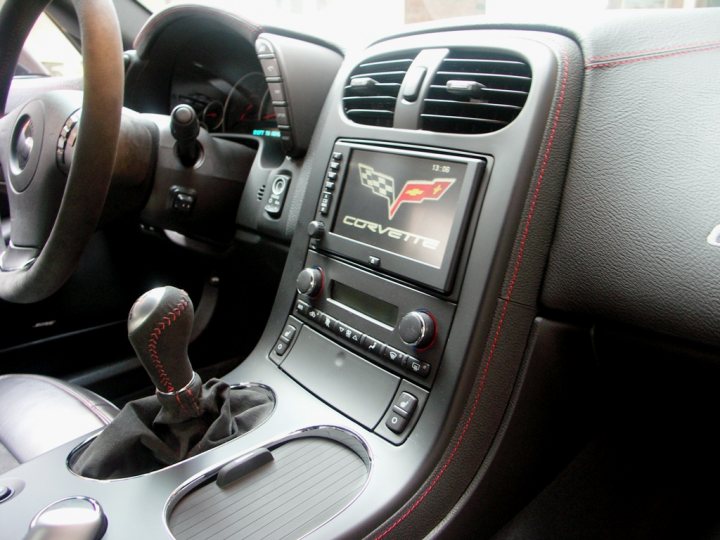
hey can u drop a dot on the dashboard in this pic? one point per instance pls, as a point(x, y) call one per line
point(226, 87)
point(467, 207)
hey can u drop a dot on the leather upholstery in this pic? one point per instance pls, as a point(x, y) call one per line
point(642, 192)
point(39, 413)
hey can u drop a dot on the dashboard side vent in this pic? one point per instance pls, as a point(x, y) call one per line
point(372, 89)
point(476, 92)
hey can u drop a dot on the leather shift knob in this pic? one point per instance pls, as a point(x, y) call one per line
point(159, 328)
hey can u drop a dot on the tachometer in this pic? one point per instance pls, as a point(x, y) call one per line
point(248, 104)
point(213, 115)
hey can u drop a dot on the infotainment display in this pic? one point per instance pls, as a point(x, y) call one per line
point(399, 210)
point(402, 204)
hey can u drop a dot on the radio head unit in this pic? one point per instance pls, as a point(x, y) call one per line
point(400, 211)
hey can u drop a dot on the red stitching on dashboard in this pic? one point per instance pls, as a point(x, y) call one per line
point(501, 321)
point(160, 327)
point(649, 51)
point(654, 57)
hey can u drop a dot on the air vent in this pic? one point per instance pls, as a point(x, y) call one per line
point(261, 193)
point(373, 87)
point(476, 92)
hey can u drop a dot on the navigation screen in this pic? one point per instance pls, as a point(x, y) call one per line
point(402, 204)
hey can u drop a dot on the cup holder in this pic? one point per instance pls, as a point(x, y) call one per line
point(284, 490)
point(145, 460)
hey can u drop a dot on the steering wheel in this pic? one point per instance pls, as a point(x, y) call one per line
point(53, 215)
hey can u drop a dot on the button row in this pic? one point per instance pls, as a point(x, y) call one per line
point(273, 77)
point(330, 182)
point(368, 343)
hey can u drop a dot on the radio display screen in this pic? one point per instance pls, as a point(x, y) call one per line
point(402, 204)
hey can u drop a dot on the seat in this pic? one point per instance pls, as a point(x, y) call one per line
point(40, 413)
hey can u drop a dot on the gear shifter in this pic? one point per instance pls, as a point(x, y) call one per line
point(185, 417)
point(159, 328)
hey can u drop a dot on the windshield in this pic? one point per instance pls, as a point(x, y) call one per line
point(346, 21)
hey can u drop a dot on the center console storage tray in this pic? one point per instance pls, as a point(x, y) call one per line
point(312, 476)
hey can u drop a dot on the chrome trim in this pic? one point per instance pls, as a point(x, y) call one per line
point(333, 433)
point(75, 452)
point(183, 389)
point(90, 526)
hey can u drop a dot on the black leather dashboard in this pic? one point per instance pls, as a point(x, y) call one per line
point(642, 196)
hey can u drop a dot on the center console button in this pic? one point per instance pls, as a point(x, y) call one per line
point(373, 346)
point(416, 366)
point(394, 356)
point(396, 422)
point(325, 203)
point(301, 308)
point(281, 347)
point(288, 333)
point(327, 322)
point(405, 404)
point(314, 314)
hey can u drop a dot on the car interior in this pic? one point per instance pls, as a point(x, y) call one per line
point(460, 281)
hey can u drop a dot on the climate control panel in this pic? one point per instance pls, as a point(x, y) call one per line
point(390, 324)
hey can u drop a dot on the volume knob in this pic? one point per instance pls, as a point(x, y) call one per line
point(417, 329)
point(310, 281)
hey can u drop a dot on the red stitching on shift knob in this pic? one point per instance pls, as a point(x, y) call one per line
point(159, 328)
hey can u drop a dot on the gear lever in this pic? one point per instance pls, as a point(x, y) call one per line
point(185, 417)
point(159, 328)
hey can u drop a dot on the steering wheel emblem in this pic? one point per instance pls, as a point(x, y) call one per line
point(24, 143)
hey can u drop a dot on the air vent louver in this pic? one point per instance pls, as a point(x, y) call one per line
point(476, 92)
point(372, 89)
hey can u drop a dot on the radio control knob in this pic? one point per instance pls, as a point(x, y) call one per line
point(310, 281)
point(316, 229)
point(417, 329)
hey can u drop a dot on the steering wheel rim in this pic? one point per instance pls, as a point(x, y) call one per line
point(89, 177)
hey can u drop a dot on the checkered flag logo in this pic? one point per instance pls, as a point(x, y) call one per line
point(380, 184)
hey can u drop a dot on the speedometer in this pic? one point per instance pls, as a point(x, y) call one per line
point(248, 105)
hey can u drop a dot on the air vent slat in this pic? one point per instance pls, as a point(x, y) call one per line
point(468, 119)
point(372, 89)
point(368, 112)
point(498, 90)
point(473, 104)
point(393, 88)
point(455, 74)
point(402, 64)
point(475, 91)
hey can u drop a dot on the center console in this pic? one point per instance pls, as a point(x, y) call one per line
point(385, 244)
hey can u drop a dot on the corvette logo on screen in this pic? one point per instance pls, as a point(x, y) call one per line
point(414, 191)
